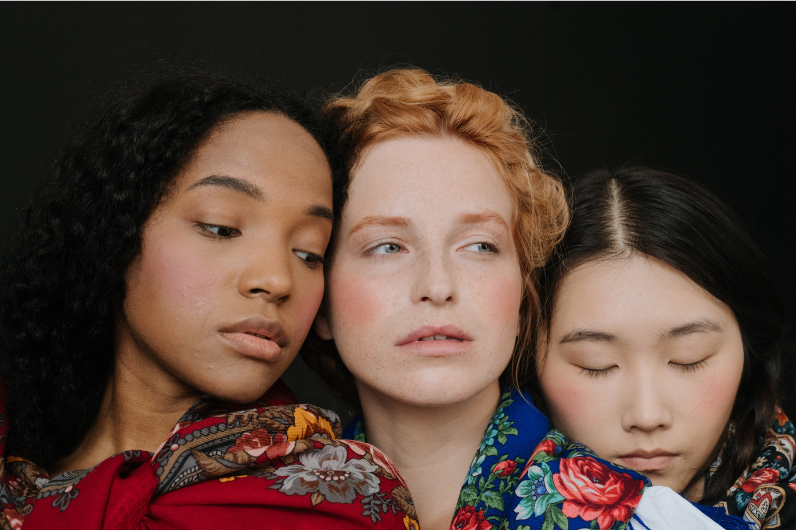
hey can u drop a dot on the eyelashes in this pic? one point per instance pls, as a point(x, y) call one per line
point(221, 232)
point(391, 247)
point(595, 373)
point(690, 367)
point(312, 260)
point(603, 372)
point(218, 231)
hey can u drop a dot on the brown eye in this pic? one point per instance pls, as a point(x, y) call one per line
point(219, 230)
point(312, 260)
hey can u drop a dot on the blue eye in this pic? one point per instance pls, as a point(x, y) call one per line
point(387, 248)
point(480, 247)
point(312, 260)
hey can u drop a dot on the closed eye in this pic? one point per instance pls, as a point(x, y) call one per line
point(312, 260)
point(218, 231)
point(690, 367)
point(597, 372)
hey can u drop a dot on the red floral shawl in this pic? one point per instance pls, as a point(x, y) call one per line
point(272, 465)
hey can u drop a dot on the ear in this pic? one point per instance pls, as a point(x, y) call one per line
point(322, 327)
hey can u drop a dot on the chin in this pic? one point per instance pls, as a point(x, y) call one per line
point(239, 390)
point(432, 395)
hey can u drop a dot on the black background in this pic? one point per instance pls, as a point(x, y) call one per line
point(706, 90)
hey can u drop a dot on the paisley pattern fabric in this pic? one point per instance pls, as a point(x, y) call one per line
point(272, 464)
point(765, 494)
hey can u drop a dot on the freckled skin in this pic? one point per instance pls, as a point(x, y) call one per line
point(645, 399)
point(437, 278)
point(187, 284)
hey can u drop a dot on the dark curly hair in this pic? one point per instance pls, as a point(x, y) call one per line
point(641, 210)
point(64, 275)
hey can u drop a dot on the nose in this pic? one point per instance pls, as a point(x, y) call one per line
point(267, 274)
point(434, 279)
point(646, 407)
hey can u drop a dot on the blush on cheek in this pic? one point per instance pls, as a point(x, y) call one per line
point(571, 404)
point(502, 298)
point(358, 299)
point(176, 275)
point(719, 396)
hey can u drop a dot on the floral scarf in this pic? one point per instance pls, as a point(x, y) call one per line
point(270, 465)
point(759, 495)
point(564, 485)
point(525, 477)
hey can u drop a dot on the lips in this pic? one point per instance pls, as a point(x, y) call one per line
point(435, 341)
point(256, 337)
point(642, 460)
point(429, 333)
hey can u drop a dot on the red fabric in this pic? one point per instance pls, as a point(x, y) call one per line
point(207, 475)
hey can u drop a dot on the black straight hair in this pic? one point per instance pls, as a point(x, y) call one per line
point(64, 276)
point(667, 217)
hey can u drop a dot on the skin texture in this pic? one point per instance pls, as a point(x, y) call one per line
point(215, 253)
point(643, 359)
point(425, 240)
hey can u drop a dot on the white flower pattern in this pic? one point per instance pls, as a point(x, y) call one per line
point(330, 473)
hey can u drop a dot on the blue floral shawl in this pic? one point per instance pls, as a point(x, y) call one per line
point(525, 477)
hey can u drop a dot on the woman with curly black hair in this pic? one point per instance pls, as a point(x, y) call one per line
point(173, 262)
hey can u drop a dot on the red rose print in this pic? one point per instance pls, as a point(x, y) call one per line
point(467, 518)
point(761, 476)
point(547, 446)
point(14, 519)
point(594, 491)
point(255, 443)
point(505, 467)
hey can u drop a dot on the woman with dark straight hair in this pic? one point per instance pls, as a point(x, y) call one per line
point(662, 343)
point(165, 277)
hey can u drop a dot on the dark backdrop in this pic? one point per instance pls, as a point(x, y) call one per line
point(707, 90)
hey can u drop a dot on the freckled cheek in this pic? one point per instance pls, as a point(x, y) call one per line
point(505, 296)
point(358, 299)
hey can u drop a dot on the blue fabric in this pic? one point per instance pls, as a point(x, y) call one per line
point(527, 477)
point(720, 516)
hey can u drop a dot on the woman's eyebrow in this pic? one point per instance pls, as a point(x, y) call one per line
point(378, 220)
point(232, 183)
point(702, 325)
point(486, 216)
point(583, 334)
point(321, 211)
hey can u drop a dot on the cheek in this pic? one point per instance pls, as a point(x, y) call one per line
point(357, 300)
point(501, 298)
point(578, 410)
point(716, 395)
point(308, 303)
point(174, 276)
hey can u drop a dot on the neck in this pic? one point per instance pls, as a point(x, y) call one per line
point(433, 447)
point(141, 404)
